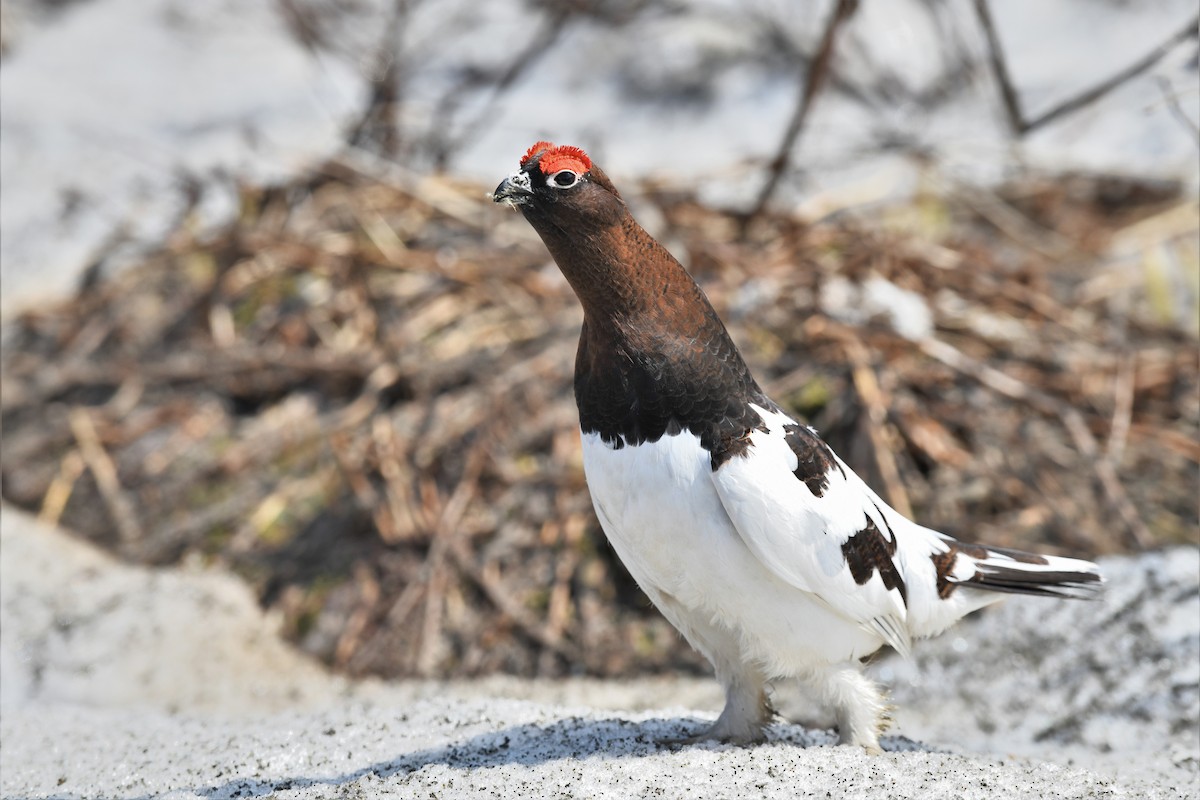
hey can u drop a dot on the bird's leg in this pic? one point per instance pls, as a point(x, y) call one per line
point(862, 711)
point(747, 709)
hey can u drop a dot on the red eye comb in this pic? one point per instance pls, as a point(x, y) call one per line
point(558, 157)
point(533, 151)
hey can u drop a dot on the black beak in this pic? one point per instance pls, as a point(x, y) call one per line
point(514, 189)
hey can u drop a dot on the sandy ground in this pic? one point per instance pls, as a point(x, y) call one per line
point(124, 682)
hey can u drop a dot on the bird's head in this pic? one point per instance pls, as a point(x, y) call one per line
point(555, 181)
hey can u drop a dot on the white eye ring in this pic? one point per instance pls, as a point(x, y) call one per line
point(553, 179)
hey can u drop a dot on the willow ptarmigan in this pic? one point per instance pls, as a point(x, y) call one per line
point(742, 526)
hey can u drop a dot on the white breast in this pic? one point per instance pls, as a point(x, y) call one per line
point(661, 512)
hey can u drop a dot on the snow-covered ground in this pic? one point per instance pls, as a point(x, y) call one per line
point(126, 682)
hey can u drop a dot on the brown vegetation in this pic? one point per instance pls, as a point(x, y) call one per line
point(358, 396)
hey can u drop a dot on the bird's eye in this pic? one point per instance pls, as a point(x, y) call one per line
point(565, 178)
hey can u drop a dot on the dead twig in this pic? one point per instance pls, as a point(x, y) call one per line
point(559, 608)
point(105, 472)
point(1014, 224)
point(504, 599)
point(445, 517)
point(173, 537)
point(197, 366)
point(352, 634)
point(56, 497)
point(433, 191)
point(1123, 391)
point(868, 389)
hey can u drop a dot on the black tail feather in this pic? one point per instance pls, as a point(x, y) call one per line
point(999, 569)
point(1082, 585)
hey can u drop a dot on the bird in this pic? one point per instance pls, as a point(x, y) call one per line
point(746, 531)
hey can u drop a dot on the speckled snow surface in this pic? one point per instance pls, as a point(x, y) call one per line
point(489, 748)
point(123, 682)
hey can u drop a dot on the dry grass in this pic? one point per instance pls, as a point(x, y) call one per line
point(357, 395)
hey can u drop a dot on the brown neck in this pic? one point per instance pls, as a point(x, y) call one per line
point(617, 270)
point(653, 355)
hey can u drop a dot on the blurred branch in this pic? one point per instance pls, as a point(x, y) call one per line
point(303, 24)
point(814, 79)
point(433, 191)
point(866, 383)
point(120, 507)
point(1171, 98)
point(540, 43)
point(1188, 31)
point(378, 122)
point(1013, 223)
point(208, 366)
point(507, 603)
point(59, 493)
point(1008, 93)
point(1123, 395)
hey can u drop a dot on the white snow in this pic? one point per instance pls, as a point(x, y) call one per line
point(126, 682)
point(906, 312)
point(107, 106)
point(105, 113)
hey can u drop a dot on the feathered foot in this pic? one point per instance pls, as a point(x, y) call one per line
point(745, 717)
point(862, 712)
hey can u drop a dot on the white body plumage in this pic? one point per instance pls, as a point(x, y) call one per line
point(748, 564)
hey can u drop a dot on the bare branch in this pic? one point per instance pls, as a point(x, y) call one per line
point(1012, 103)
point(815, 77)
point(1171, 98)
point(1188, 31)
point(120, 507)
point(378, 124)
